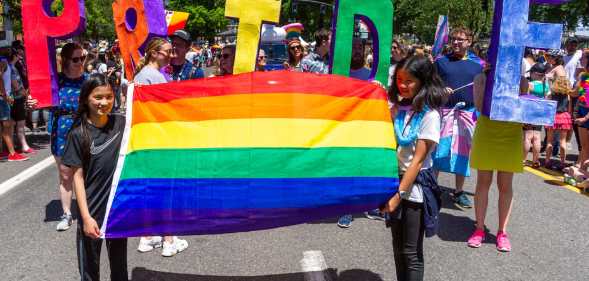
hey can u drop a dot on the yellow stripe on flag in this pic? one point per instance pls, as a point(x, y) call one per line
point(233, 133)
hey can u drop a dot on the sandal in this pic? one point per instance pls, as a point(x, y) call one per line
point(536, 165)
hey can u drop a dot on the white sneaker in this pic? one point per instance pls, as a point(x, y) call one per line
point(147, 245)
point(177, 246)
point(181, 244)
point(65, 221)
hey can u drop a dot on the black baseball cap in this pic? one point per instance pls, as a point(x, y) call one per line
point(572, 40)
point(182, 34)
point(539, 68)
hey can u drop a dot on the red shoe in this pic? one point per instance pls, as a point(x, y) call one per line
point(17, 157)
point(29, 151)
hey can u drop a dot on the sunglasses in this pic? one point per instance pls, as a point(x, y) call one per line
point(167, 52)
point(295, 47)
point(224, 56)
point(78, 59)
point(262, 57)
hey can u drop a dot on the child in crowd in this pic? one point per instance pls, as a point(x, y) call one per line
point(563, 122)
point(416, 95)
point(92, 151)
point(540, 88)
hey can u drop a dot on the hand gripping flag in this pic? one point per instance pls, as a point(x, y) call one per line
point(251, 151)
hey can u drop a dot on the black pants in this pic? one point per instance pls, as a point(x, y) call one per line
point(408, 232)
point(89, 257)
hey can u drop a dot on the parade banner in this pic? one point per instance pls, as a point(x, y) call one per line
point(512, 33)
point(251, 14)
point(441, 38)
point(136, 22)
point(251, 151)
point(176, 21)
point(41, 30)
point(346, 13)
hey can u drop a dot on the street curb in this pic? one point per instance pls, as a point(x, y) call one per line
point(25, 175)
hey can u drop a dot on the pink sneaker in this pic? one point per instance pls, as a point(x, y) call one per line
point(476, 239)
point(503, 244)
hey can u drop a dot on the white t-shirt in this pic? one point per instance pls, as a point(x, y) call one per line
point(571, 64)
point(429, 129)
point(526, 66)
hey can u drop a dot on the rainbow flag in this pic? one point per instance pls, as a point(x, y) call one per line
point(251, 151)
point(176, 20)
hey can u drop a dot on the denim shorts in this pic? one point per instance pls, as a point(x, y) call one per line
point(4, 110)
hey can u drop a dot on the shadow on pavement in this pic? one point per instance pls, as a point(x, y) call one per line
point(458, 229)
point(53, 210)
point(143, 274)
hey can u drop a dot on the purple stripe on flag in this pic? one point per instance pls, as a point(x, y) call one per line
point(147, 222)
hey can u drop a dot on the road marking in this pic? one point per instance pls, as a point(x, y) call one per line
point(314, 266)
point(25, 175)
point(557, 180)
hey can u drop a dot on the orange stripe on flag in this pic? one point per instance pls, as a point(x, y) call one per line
point(303, 106)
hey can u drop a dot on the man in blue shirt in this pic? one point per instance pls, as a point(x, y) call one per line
point(318, 60)
point(182, 68)
point(458, 70)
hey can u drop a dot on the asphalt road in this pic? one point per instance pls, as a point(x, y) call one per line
point(549, 231)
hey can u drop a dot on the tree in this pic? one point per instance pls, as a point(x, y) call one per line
point(570, 14)
point(207, 17)
point(420, 17)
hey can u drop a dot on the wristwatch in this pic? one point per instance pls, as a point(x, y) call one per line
point(404, 194)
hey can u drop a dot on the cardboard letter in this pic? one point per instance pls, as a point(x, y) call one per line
point(511, 34)
point(40, 31)
point(136, 22)
point(251, 15)
point(372, 13)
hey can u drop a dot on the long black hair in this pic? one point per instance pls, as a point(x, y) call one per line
point(81, 120)
point(432, 90)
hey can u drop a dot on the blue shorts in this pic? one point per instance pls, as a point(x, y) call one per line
point(4, 110)
point(582, 112)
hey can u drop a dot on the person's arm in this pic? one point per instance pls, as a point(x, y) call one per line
point(422, 148)
point(478, 91)
point(91, 228)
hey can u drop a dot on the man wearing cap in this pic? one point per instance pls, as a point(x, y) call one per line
point(182, 68)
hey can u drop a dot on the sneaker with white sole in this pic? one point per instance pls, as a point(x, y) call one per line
point(177, 246)
point(65, 221)
point(148, 244)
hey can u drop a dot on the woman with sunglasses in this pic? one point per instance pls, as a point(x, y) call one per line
point(158, 54)
point(295, 56)
point(70, 81)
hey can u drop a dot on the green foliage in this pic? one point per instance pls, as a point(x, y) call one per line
point(99, 20)
point(207, 17)
point(420, 17)
point(309, 14)
point(570, 14)
point(411, 16)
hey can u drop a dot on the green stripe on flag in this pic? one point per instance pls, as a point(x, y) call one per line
point(261, 163)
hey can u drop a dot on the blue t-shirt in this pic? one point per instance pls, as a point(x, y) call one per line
point(457, 73)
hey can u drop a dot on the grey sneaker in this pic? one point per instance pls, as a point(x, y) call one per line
point(345, 221)
point(375, 215)
point(462, 201)
point(65, 221)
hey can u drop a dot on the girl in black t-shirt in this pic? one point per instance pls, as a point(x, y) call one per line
point(91, 151)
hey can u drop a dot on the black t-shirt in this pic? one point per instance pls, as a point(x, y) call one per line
point(105, 144)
